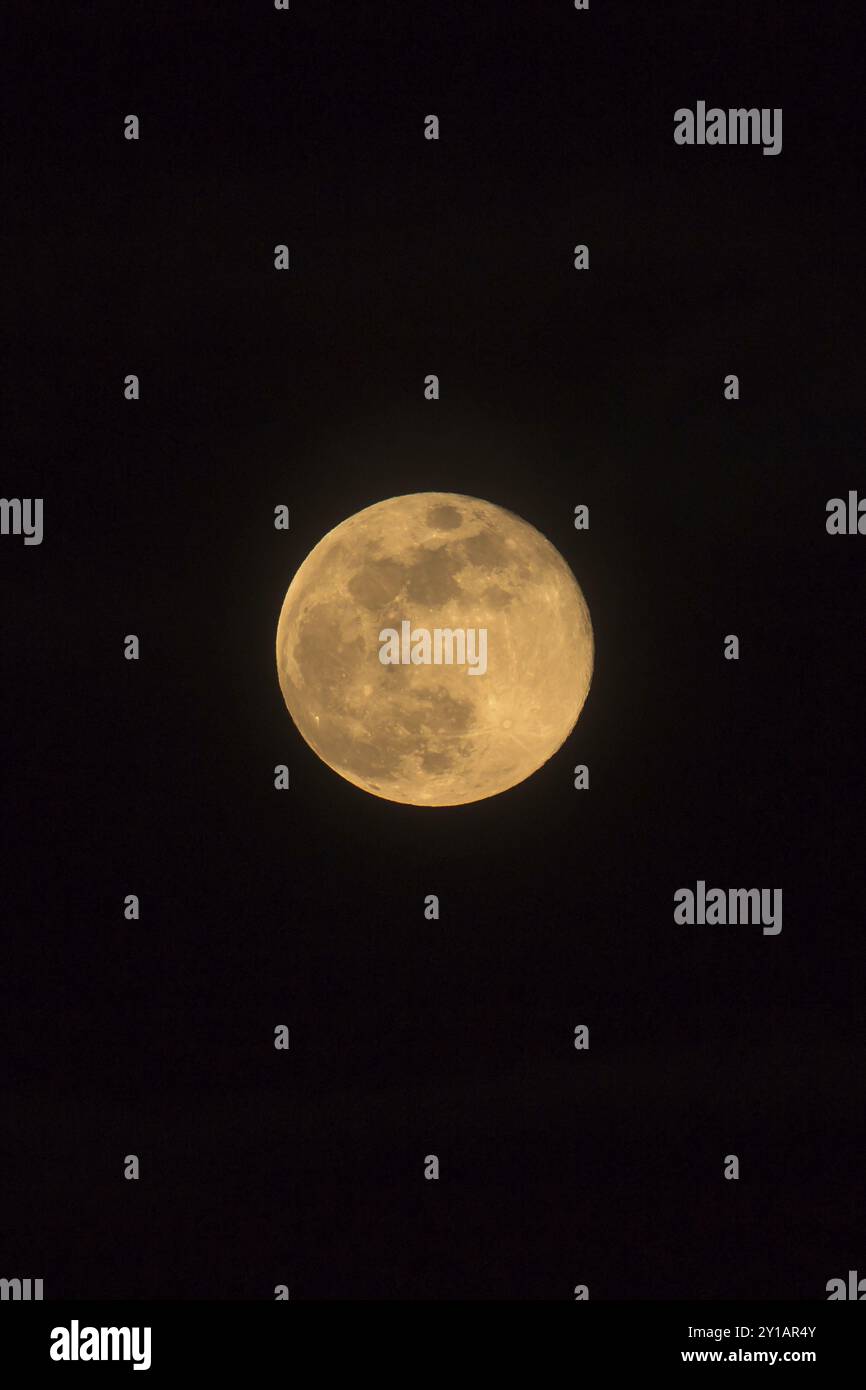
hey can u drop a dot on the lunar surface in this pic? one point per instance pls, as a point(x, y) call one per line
point(416, 731)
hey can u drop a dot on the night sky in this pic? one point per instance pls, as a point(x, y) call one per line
point(558, 387)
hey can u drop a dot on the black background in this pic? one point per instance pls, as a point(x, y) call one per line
point(306, 907)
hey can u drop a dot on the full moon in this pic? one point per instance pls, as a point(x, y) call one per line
point(434, 649)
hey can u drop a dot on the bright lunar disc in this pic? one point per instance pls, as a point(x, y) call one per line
point(416, 731)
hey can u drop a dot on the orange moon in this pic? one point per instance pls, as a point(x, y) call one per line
point(418, 730)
